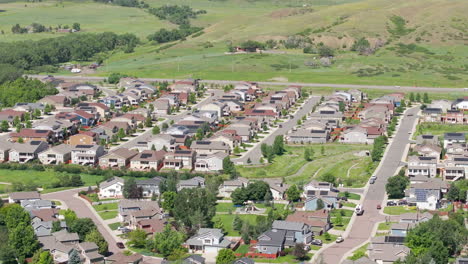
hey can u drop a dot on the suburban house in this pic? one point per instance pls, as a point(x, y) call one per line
point(148, 160)
point(221, 108)
point(150, 187)
point(89, 250)
point(328, 198)
point(161, 142)
point(59, 154)
point(59, 128)
point(274, 241)
point(419, 165)
point(132, 211)
point(162, 106)
point(229, 186)
point(36, 205)
point(427, 139)
point(302, 136)
point(151, 226)
point(415, 217)
point(82, 139)
point(25, 152)
point(318, 221)
point(455, 168)
point(444, 105)
point(18, 197)
point(229, 137)
point(428, 150)
point(207, 240)
point(277, 187)
point(300, 230)
point(179, 159)
point(401, 229)
point(431, 115)
point(10, 115)
point(362, 260)
point(210, 147)
point(461, 103)
point(29, 134)
point(5, 147)
point(195, 182)
point(210, 162)
point(111, 188)
point(56, 100)
point(86, 154)
point(118, 158)
point(121, 258)
point(427, 195)
point(387, 253)
point(451, 138)
point(314, 185)
point(453, 117)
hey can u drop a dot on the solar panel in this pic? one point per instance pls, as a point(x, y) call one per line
point(146, 155)
point(421, 195)
point(84, 146)
point(35, 143)
point(203, 142)
point(394, 239)
point(323, 192)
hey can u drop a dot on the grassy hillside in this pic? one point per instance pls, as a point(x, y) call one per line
point(438, 29)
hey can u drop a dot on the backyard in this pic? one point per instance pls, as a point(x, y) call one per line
point(341, 160)
point(438, 129)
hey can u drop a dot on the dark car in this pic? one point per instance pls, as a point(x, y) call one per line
point(402, 202)
point(316, 242)
point(344, 198)
point(120, 245)
point(379, 207)
point(391, 203)
point(361, 212)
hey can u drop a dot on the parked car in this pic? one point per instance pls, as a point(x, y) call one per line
point(316, 242)
point(120, 245)
point(379, 207)
point(339, 239)
point(361, 212)
point(391, 203)
point(344, 198)
point(372, 181)
point(402, 202)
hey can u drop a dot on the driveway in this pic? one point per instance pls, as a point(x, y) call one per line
point(255, 153)
point(362, 227)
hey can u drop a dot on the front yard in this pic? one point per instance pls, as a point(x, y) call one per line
point(398, 210)
point(227, 220)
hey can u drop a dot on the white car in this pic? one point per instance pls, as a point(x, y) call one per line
point(339, 239)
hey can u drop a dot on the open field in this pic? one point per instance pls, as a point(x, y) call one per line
point(337, 159)
point(41, 178)
point(438, 129)
point(437, 27)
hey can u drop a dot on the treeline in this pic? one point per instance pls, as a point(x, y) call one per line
point(24, 90)
point(164, 35)
point(126, 3)
point(30, 55)
point(176, 14)
point(38, 28)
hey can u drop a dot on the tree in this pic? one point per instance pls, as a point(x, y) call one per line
point(320, 204)
point(239, 196)
point(396, 186)
point(7, 255)
point(293, 193)
point(418, 97)
point(168, 199)
point(361, 45)
point(339, 220)
point(121, 133)
point(278, 145)
point(156, 130)
point(82, 226)
point(454, 193)
point(218, 223)
point(131, 190)
point(325, 51)
point(76, 26)
point(137, 238)
point(5, 126)
point(411, 97)
point(56, 226)
point(328, 177)
point(307, 155)
point(426, 99)
point(74, 257)
point(299, 251)
point(149, 122)
point(42, 257)
point(264, 149)
point(327, 236)
point(167, 241)
point(75, 180)
point(70, 217)
point(23, 240)
point(322, 150)
point(225, 256)
point(96, 237)
point(228, 165)
point(195, 208)
point(237, 223)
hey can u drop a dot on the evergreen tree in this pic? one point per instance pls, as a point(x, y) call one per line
point(5, 126)
point(156, 130)
point(96, 237)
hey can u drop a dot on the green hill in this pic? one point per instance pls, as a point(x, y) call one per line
point(421, 42)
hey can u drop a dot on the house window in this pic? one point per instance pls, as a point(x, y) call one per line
point(207, 241)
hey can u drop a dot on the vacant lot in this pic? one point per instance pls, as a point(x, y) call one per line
point(439, 129)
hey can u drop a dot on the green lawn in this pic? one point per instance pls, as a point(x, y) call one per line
point(283, 259)
point(347, 204)
point(105, 215)
point(42, 178)
point(385, 226)
point(228, 219)
point(107, 206)
point(332, 238)
point(114, 226)
point(343, 212)
point(359, 253)
point(353, 196)
point(225, 207)
point(438, 129)
point(242, 249)
point(336, 159)
point(398, 210)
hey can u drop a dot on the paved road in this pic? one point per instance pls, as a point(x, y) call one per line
point(361, 229)
point(82, 211)
point(331, 85)
point(255, 153)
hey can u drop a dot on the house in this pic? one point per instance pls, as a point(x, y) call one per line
point(86, 154)
point(207, 240)
point(133, 120)
point(59, 128)
point(300, 230)
point(59, 251)
point(117, 159)
point(111, 188)
point(314, 185)
point(89, 250)
point(56, 100)
point(5, 147)
point(30, 205)
point(63, 236)
point(221, 108)
point(59, 154)
point(242, 129)
point(455, 168)
point(179, 158)
point(229, 137)
point(162, 106)
point(302, 136)
point(415, 217)
point(151, 186)
point(177, 130)
point(100, 108)
point(277, 187)
point(195, 182)
point(86, 118)
point(132, 211)
point(428, 150)
point(427, 195)
point(453, 117)
point(29, 107)
point(450, 138)
point(152, 226)
point(148, 160)
point(427, 139)
point(44, 214)
point(210, 162)
point(244, 260)
point(113, 127)
point(121, 258)
point(25, 152)
point(327, 115)
point(419, 165)
point(229, 186)
point(161, 142)
point(82, 139)
point(29, 134)
point(461, 103)
point(401, 229)
point(273, 241)
point(10, 115)
point(363, 260)
point(461, 260)
point(18, 197)
point(431, 115)
point(188, 86)
point(328, 198)
point(387, 253)
point(318, 221)
point(194, 259)
point(457, 149)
